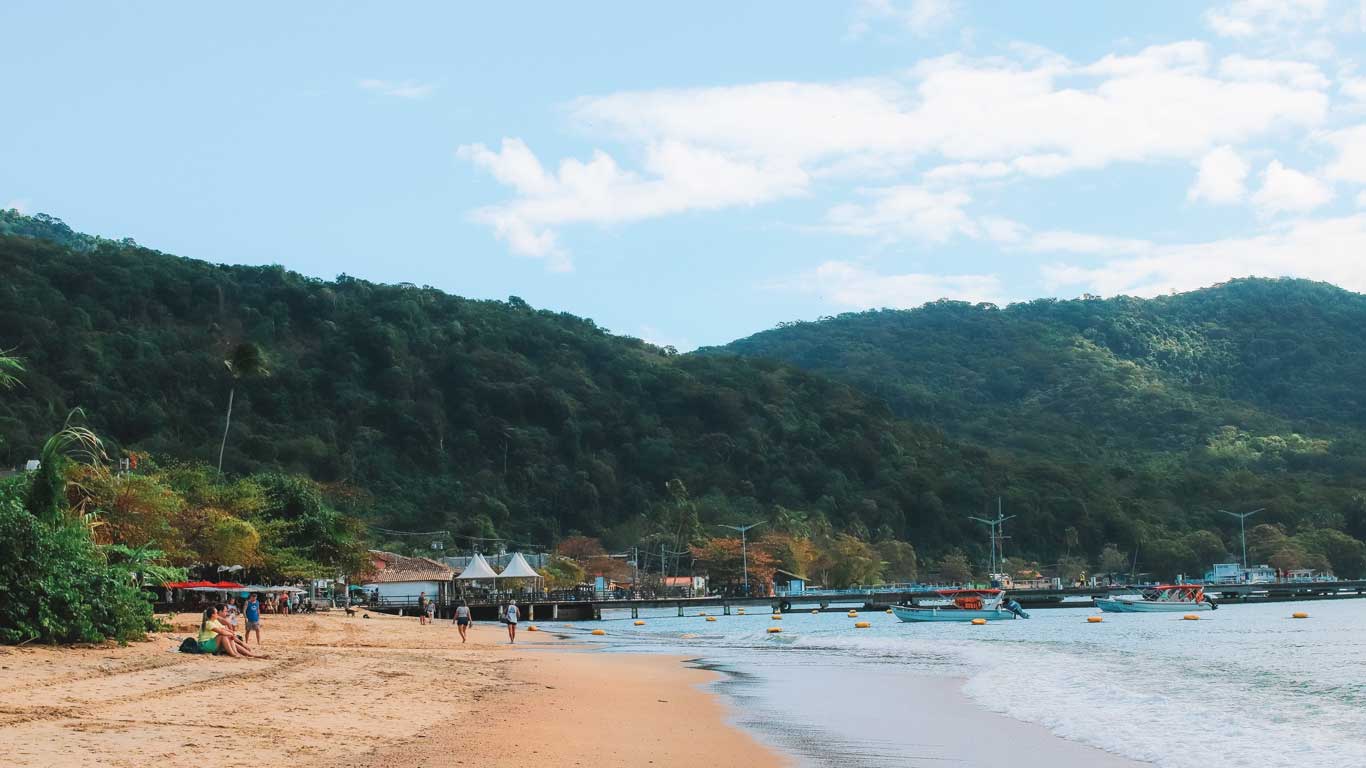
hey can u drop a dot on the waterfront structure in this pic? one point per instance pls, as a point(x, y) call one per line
point(1233, 573)
point(396, 577)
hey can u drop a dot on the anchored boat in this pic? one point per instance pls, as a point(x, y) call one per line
point(965, 605)
point(1173, 598)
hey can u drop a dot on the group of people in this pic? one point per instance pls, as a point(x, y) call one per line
point(462, 619)
point(218, 629)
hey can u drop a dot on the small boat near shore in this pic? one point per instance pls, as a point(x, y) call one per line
point(965, 605)
point(1168, 598)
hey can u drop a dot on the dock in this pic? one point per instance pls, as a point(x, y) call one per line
point(584, 605)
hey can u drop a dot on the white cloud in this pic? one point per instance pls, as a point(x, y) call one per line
point(1036, 115)
point(1252, 18)
point(1354, 88)
point(1287, 190)
point(1318, 249)
point(1296, 74)
point(1045, 118)
point(405, 89)
point(847, 284)
point(1350, 164)
point(1221, 177)
point(678, 178)
point(920, 17)
point(905, 211)
point(1361, 199)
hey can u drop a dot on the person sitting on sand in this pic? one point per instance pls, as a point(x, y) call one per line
point(512, 615)
point(217, 637)
point(462, 619)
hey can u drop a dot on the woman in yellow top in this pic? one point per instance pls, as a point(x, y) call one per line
point(217, 637)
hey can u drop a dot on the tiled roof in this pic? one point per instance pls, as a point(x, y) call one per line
point(390, 567)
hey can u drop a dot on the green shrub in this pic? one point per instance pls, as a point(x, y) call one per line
point(56, 586)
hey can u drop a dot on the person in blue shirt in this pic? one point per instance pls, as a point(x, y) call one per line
point(252, 610)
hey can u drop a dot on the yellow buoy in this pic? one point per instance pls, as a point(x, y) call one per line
point(979, 622)
point(639, 623)
point(861, 625)
point(1093, 619)
point(711, 618)
point(532, 628)
point(599, 631)
point(741, 611)
point(774, 630)
point(889, 610)
point(1299, 615)
point(852, 614)
point(777, 617)
point(815, 611)
point(1191, 617)
point(701, 613)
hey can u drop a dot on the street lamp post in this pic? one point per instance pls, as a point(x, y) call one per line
point(994, 531)
point(744, 553)
point(1242, 527)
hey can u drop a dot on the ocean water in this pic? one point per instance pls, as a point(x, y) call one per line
point(1244, 686)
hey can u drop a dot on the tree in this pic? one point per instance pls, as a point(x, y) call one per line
point(562, 573)
point(724, 565)
point(10, 368)
point(899, 561)
point(954, 568)
point(580, 548)
point(1112, 561)
point(246, 361)
point(846, 561)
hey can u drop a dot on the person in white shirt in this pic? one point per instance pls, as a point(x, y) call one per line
point(512, 615)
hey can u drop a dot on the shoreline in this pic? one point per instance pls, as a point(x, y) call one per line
point(353, 693)
point(389, 693)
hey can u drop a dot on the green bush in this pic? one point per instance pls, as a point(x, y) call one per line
point(56, 585)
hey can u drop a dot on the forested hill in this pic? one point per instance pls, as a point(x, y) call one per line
point(1121, 377)
point(427, 411)
point(1125, 423)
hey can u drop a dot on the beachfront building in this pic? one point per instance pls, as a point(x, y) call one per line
point(1233, 573)
point(399, 580)
point(788, 583)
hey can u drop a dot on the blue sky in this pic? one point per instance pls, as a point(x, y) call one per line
point(696, 173)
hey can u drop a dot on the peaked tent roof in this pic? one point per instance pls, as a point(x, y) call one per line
point(518, 568)
point(477, 569)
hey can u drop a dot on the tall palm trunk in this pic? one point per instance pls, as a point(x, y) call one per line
point(226, 424)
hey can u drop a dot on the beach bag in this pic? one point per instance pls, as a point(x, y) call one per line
point(189, 645)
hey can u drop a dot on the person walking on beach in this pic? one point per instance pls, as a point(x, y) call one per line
point(511, 618)
point(431, 611)
point(462, 619)
point(422, 608)
point(252, 610)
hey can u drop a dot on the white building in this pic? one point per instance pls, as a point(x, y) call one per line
point(1232, 573)
point(400, 579)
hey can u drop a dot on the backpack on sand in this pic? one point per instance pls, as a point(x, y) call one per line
point(189, 645)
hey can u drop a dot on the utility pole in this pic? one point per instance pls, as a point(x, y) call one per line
point(994, 531)
point(1242, 527)
point(744, 553)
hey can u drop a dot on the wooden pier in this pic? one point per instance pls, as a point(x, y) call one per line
point(579, 606)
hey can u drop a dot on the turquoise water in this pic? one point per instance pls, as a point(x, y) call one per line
point(1244, 686)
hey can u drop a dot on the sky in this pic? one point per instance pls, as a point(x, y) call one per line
point(692, 173)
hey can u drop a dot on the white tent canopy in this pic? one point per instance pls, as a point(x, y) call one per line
point(477, 570)
point(518, 568)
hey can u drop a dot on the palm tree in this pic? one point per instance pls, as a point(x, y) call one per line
point(10, 368)
point(246, 361)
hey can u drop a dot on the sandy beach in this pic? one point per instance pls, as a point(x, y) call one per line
point(375, 692)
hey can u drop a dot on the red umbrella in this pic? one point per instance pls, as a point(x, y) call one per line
point(227, 585)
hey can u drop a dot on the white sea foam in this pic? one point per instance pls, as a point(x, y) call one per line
point(1245, 686)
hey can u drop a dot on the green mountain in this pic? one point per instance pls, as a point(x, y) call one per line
point(1127, 422)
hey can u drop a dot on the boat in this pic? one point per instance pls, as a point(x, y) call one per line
point(964, 605)
point(1167, 598)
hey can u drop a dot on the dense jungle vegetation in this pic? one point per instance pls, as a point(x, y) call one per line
point(1115, 430)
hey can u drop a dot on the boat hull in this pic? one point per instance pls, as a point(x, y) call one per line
point(1139, 605)
point(950, 614)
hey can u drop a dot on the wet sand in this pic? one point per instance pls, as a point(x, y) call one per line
point(370, 693)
